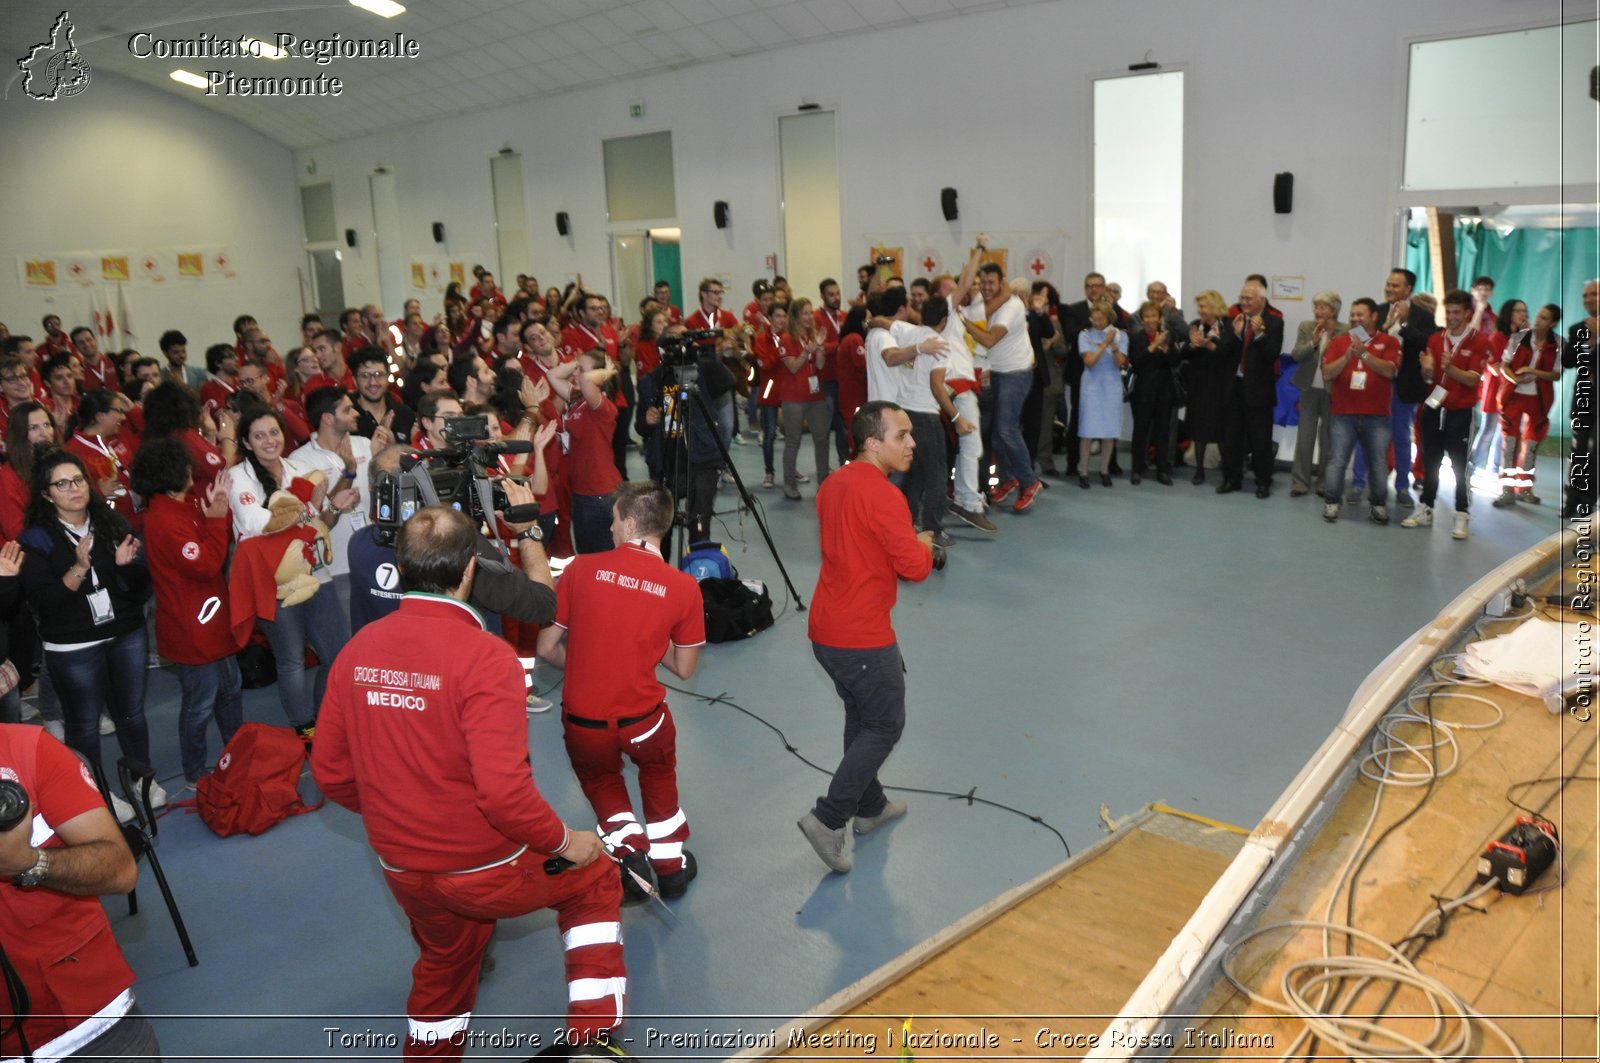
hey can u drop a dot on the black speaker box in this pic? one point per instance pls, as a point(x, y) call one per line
point(438, 232)
point(719, 213)
point(1283, 193)
point(350, 238)
point(561, 222)
point(947, 203)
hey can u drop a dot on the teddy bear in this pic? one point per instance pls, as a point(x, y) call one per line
point(291, 506)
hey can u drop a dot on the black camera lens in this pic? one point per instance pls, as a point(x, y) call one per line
point(13, 804)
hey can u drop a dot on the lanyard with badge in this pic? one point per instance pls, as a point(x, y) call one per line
point(1435, 399)
point(98, 445)
point(99, 599)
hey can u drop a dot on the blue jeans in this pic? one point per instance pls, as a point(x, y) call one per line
point(319, 623)
point(591, 523)
point(1343, 432)
point(1404, 416)
point(1010, 451)
point(210, 692)
point(841, 438)
point(109, 676)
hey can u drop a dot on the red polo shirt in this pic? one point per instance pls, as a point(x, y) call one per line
point(1358, 390)
point(868, 544)
point(1470, 356)
point(590, 467)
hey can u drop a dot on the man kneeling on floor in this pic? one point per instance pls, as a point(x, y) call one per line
point(424, 733)
point(623, 612)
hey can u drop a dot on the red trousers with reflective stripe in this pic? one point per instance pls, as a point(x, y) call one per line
point(453, 916)
point(652, 744)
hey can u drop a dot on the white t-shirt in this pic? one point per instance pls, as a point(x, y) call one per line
point(884, 380)
point(1014, 352)
point(312, 456)
point(958, 347)
point(916, 391)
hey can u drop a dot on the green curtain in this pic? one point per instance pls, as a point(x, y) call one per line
point(666, 264)
point(1538, 266)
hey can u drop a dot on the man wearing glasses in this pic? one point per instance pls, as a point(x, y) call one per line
point(16, 387)
point(375, 403)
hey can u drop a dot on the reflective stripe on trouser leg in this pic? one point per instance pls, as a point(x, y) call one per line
point(436, 1040)
point(666, 842)
point(591, 931)
point(622, 831)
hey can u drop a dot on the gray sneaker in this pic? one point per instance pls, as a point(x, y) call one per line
point(973, 519)
point(1404, 500)
point(942, 539)
point(891, 811)
point(1380, 514)
point(829, 844)
point(1330, 512)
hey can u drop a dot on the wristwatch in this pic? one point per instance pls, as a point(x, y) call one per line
point(35, 874)
point(532, 534)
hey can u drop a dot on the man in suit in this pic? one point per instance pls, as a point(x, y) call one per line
point(1248, 384)
point(1411, 325)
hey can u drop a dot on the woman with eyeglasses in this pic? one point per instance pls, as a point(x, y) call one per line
point(30, 432)
point(83, 576)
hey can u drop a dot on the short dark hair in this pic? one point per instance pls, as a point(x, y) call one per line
point(1411, 278)
point(1456, 297)
point(922, 282)
point(891, 301)
point(92, 405)
point(868, 421)
point(346, 314)
point(364, 355)
point(1370, 304)
point(504, 322)
point(1555, 313)
point(1487, 282)
point(242, 322)
point(1259, 279)
point(321, 402)
point(170, 408)
point(13, 345)
point(80, 330)
point(428, 405)
point(994, 268)
point(162, 465)
point(54, 362)
point(827, 282)
point(934, 312)
point(461, 370)
point(434, 548)
point(306, 319)
point(218, 353)
point(648, 503)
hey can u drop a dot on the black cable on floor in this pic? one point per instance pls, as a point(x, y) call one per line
point(970, 797)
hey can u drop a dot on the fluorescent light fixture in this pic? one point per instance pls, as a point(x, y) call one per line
point(262, 50)
point(384, 8)
point(193, 80)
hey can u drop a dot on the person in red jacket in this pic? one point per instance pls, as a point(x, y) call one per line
point(623, 612)
point(56, 863)
point(187, 547)
point(588, 423)
point(1527, 379)
point(1452, 365)
point(864, 524)
point(424, 734)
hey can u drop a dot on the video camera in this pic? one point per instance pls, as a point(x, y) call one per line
point(684, 350)
point(456, 476)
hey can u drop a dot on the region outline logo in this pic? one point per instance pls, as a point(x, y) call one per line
point(55, 69)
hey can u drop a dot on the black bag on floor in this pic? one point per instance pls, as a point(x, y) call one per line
point(735, 609)
point(258, 666)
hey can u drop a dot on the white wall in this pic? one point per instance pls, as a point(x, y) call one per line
point(124, 166)
point(995, 104)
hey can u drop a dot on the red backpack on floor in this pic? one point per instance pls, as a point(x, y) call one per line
point(257, 782)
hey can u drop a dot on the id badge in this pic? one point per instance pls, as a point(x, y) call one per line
point(1358, 381)
point(566, 441)
point(100, 606)
point(1436, 398)
point(814, 384)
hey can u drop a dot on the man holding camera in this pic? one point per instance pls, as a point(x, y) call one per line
point(622, 613)
point(423, 734)
point(868, 543)
point(59, 854)
point(702, 422)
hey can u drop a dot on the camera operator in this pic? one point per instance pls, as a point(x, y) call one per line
point(715, 385)
point(441, 778)
point(65, 852)
point(864, 524)
point(524, 591)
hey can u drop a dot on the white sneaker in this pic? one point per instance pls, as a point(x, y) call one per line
point(1421, 518)
point(1460, 530)
point(122, 810)
point(108, 726)
point(538, 704)
point(158, 796)
point(57, 729)
point(30, 711)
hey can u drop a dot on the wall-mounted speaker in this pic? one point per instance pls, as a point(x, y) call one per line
point(719, 213)
point(947, 203)
point(562, 227)
point(438, 232)
point(1283, 193)
point(350, 237)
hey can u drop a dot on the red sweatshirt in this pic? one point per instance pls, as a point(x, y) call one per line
point(867, 543)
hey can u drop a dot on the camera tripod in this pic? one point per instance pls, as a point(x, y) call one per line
point(676, 469)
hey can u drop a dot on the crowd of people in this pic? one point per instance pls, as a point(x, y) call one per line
point(221, 501)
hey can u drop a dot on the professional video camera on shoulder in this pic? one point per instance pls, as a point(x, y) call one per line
point(456, 475)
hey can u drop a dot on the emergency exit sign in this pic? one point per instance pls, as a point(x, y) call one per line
point(636, 109)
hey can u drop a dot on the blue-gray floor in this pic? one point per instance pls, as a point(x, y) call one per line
point(1112, 647)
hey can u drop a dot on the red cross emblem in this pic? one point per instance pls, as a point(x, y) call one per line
point(76, 269)
point(221, 261)
point(149, 263)
point(1036, 266)
point(928, 263)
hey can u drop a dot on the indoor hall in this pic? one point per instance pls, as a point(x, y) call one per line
point(1109, 649)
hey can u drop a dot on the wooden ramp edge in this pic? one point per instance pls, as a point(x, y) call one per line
point(1036, 971)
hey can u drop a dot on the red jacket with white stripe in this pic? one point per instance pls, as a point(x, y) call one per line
point(424, 732)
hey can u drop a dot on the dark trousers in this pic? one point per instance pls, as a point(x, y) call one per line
point(702, 499)
point(132, 1038)
point(1446, 433)
point(108, 677)
point(836, 425)
point(1152, 425)
point(924, 483)
point(591, 524)
point(1072, 427)
point(1245, 429)
point(872, 684)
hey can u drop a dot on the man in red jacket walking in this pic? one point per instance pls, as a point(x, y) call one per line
point(424, 733)
point(868, 543)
